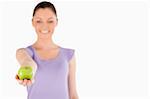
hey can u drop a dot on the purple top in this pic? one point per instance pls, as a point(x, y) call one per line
point(51, 78)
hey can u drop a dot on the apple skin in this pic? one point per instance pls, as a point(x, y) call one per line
point(25, 72)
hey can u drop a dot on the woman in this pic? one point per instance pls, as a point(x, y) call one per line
point(54, 66)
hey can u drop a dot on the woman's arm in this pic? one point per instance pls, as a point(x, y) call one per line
point(25, 59)
point(72, 79)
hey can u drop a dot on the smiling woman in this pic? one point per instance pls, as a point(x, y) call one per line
point(54, 66)
point(44, 22)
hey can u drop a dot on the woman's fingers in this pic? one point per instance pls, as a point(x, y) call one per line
point(17, 77)
point(29, 82)
point(19, 81)
point(24, 82)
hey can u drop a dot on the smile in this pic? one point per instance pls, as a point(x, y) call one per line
point(45, 32)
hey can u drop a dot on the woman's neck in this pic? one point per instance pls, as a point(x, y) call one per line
point(44, 44)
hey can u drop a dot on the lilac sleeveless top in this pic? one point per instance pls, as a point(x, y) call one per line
point(51, 78)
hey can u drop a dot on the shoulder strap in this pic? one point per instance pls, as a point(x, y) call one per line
point(30, 51)
point(70, 54)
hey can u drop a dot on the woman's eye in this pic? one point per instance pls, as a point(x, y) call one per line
point(50, 21)
point(38, 21)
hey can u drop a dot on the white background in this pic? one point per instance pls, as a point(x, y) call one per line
point(111, 40)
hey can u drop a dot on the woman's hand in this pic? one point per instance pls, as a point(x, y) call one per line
point(24, 82)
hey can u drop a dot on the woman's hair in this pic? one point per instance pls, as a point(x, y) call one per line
point(45, 4)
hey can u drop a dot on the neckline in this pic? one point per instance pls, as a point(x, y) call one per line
point(49, 59)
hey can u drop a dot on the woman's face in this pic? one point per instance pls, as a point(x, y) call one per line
point(44, 22)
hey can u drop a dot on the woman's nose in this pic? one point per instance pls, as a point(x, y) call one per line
point(45, 26)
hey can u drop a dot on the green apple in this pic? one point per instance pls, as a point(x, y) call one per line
point(25, 72)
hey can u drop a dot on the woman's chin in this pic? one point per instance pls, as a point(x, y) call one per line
point(45, 35)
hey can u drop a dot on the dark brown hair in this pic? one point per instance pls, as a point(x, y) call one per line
point(45, 4)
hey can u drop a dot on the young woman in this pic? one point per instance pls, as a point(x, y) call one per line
point(54, 66)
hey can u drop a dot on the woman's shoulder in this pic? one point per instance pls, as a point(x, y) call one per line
point(29, 50)
point(67, 48)
point(68, 52)
point(24, 50)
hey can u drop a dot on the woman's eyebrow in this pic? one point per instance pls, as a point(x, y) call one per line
point(51, 18)
point(48, 18)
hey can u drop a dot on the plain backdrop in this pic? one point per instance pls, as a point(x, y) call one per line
point(111, 42)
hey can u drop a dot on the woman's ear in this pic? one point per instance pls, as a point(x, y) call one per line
point(32, 22)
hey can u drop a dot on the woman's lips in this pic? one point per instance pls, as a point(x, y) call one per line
point(45, 32)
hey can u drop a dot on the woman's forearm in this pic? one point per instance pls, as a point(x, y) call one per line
point(25, 59)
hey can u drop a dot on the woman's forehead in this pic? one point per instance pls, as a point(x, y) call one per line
point(45, 13)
